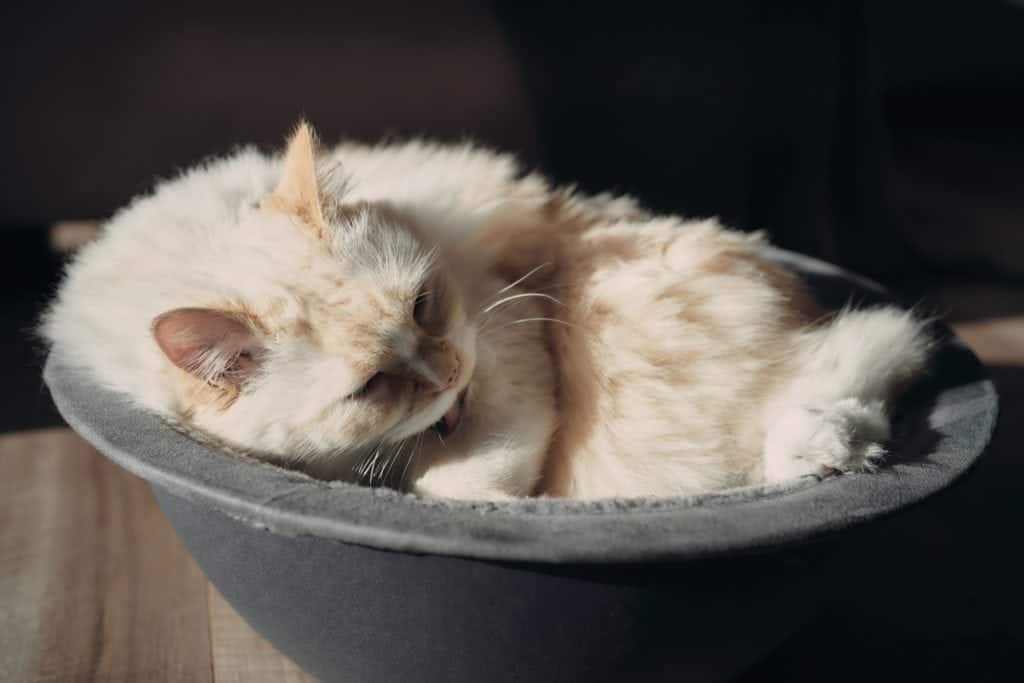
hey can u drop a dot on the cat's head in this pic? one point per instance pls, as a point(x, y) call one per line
point(362, 338)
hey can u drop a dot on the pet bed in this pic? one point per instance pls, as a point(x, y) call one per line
point(362, 584)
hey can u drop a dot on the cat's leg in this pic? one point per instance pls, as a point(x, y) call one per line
point(819, 436)
point(496, 455)
point(491, 471)
point(833, 414)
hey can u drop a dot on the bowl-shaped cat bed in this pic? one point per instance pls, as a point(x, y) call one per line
point(368, 585)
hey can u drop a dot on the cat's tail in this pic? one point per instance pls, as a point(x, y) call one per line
point(834, 412)
point(869, 354)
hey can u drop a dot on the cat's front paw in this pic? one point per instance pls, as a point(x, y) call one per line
point(820, 438)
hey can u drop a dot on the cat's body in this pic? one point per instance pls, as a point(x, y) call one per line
point(325, 317)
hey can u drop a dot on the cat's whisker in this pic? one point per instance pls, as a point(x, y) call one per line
point(359, 470)
point(385, 466)
point(378, 470)
point(487, 315)
point(367, 464)
point(549, 288)
point(374, 466)
point(393, 460)
point(408, 461)
point(530, 320)
point(514, 297)
point(510, 286)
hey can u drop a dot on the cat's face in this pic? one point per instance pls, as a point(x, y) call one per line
point(362, 339)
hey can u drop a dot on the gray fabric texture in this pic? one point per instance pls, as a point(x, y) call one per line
point(940, 430)
point(346, 612)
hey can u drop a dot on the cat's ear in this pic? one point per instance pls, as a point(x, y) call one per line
point(297, 192)
point(214, 347)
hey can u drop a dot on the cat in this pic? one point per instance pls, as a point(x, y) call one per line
point(430, 318)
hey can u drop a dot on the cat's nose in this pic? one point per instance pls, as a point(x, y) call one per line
point(441, 365)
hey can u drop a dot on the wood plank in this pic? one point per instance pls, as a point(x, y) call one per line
point(989, 317)
point(69, 236)
point(240, 655)
point(95, 585)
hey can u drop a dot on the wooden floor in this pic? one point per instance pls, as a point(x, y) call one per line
point(95, 586)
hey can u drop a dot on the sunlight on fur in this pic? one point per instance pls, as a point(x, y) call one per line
point(427, 317)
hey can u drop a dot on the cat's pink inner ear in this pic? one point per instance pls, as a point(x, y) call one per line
point(297, 192)
point(213, 346)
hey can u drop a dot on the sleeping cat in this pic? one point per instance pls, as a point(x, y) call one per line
point(426, 317)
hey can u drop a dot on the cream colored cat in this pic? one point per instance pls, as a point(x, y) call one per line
point(424, 316)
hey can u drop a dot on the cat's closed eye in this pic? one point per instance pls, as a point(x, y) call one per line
point(421, 304)
point(371, 386)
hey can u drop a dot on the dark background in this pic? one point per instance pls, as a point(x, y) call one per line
point(887, 137)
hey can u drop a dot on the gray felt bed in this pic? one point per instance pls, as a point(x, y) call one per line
point(356, 584)
point(941, 429)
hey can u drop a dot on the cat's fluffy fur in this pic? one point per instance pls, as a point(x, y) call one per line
point(323, 309)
